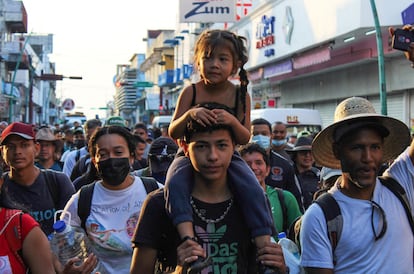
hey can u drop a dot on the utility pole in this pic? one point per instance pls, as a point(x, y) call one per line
point(381, 69)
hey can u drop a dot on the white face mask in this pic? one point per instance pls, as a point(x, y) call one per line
point(261, 140)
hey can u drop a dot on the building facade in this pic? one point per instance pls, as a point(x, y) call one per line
point(302, 54)
point(24, 57)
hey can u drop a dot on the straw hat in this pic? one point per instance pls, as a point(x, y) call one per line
point(353, 113)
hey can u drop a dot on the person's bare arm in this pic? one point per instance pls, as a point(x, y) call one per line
point(37, 253)
point(185, 112)
point(143, 260)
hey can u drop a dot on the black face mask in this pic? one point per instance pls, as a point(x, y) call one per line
point(113, 171)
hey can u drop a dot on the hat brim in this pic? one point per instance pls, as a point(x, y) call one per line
point(25, 136)
point(299, 148)
point(397, 141)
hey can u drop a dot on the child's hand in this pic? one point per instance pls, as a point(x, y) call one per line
point(203, 116)
point(224, 117)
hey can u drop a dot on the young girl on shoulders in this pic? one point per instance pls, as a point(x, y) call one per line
point(219, 54)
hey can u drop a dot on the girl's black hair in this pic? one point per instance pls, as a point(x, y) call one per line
point(210, 39)
point(122, 131)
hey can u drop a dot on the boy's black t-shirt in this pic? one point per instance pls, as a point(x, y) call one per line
point(228, 241)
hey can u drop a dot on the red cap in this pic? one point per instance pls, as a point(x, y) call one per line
point(21, 129)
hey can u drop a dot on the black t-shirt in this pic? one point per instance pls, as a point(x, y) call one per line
point(37, 198)
point(228, 241)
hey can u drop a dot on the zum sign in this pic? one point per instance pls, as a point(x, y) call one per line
point(292, 119)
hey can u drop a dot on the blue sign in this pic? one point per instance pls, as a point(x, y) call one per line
point(408, 15)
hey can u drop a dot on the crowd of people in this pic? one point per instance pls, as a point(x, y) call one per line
point(211, 194)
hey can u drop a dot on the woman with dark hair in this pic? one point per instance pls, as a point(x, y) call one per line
point(116, 197)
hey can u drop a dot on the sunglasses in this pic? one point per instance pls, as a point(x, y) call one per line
point(162, 158)
point(382, 222)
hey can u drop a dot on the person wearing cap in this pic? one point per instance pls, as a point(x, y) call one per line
point(68, 140)
point(27, 185)
point(328, 177)
point(47, 158)
point(160, 157)
point(115, 121)
point(376, 236)
point(73, 156)
point(3, 125)
point(78, 141)
point(306, 173)
point(25, 182)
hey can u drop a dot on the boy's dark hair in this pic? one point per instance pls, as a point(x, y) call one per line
point(210, 39)
point(138, 139)
point(141, 125)
point(253, 147)
point(122, 131)
point(93, 123)
point(262, 121)
point(193, 128)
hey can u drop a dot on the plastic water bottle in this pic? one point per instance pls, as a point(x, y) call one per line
point(68, 242)
point(291, 254)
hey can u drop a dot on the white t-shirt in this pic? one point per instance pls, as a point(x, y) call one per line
point(111, 223)
point(357, 251)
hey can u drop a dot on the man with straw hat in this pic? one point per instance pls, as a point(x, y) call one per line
point(376, 236)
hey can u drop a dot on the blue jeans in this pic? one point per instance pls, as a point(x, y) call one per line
point(243, 183)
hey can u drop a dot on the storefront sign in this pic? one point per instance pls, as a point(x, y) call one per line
point(207, 11)
point(265, 35)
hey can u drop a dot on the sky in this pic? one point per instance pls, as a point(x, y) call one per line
point(91, 37)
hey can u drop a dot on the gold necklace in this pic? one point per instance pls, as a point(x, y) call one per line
point(211, 221)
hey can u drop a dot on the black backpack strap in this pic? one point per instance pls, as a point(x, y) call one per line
point(284, 208)
point(150, 184)
point(84, 203)
point(399, 191)
point(77, 157)
point(52, 185)
point(334, 220)
point(194, 95)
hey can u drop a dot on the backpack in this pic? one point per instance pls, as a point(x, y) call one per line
point(333, 217)
point(13, 232)
point(86, 193)
point(81, 167)
point(283, 207)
